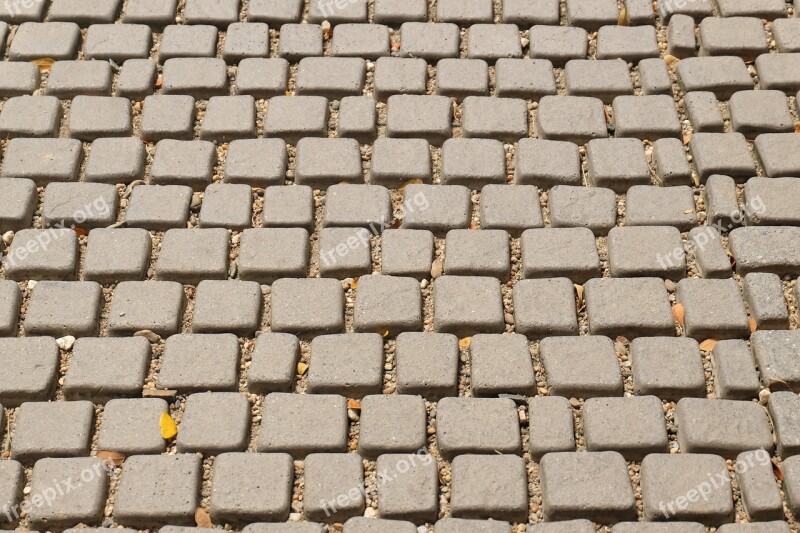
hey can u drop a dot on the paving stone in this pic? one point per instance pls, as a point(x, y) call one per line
point(227, 306)
point(158, 207)
point(477, 253)
point(575, 526)
point(657, 527)
point(473, 162)
point(325, 162)
point(262, 77)
point(274, 362)
point(607, 427)
point(307, 306)
point(417, 116)
point(638, 251)
point(569, 487)
point(30, 116)
point(777, 154)
point(550, 425)
point(18, 79)
point(60, 308)
point(462, 77)
point(368, 41)
point(367, 206)
point(560, 252)
point(654, 77)
point(103, 368)
point(671, 166)
point(398, 161)
point(760, 494)
point(765, 10)
point(711, 259)
point(437, 208)
point(649, 205)
point(617, 164)
point(501, 364)
point(669, 480)
point(733, 36)
point(465, 305)
point(228, 118)
point(493, 41)
point(32, 365)
point(545, 307)
point(630, 43)
point(722, 76)
point(239, 481)
point(765, 201)
point(183, 163)
point(791, 468)
point(722, 153)
point(714, 309)
point(131, 425)
point(594, 208)
point(344, 252)
point(775, 353)
point(12, 482)
point(23, 12)
point(576, 119)
point(464, 525)
point(355, 11)
point(300, 424)
point(159, 489)
point(217, 12)
point(55, 40)
point(391, 424)
point(213, 423)
point(681, 40)
point(735, 374)
point(581, 367)
point(115, 160)
point(399, 11)
point(58, 429)
point(226, 205)
point(256, 162)
point(765, 249)
point(84, 503)
point(192, 255)
point(271, 253)
point(244, 40)
point(721, 201)
point(10, 299)
point(702, 109)
point(300, 40)
point(201, 77)
point(667, 367)
point(558, 44)
point(350, 364)
point(603, 79)
point(17, 203)
point(786, 33)
point(764, 111)
point(535, 163)
point(328, 476)
point(43, 160)
point(68, 79)
point(399, 75)
point(38, 254)
point(362, 524)
point(477, 425)
point(168, 117)
point(70, 10)
point(194, 363)
point(464, 13)
point(489, 487)
point(646, 117)
point(117, 42)
point(784, 416)
point(505, 119)
point(524, 78)
point(591, 15)
point(331, 77)
point(357, 118)
point(156, 14)
point(84, 205)
point(769, 527)
point(639, 12)
point(530, 12)
point(764, 295)
point(427, 364)
point(288, 206)
point(723, 427)
point(412, 495)
point(407, 253)
point(387, 303)
point(510, 208)
point(91, 117)
point(139, 305)
point(630, 307)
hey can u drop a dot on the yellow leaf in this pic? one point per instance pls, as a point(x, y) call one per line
point(302, 368)
point(708, 345)
point(686, 138)
point(465, 342)
point(623, 17)
point(168, 427)
point(202, 518)
point(384, 333)
point(671, 60)
point(354, 284)
point(797, 128)
point(678, 313)
point(753, 325)
point(111, 458)
point(579, 291)
point(44, 63)
point(354, 404)
point(415, 181)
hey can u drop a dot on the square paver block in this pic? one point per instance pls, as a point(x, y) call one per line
point(183, 163)
point(477, 425)
point(213, 423)
point(649, 205)
point(437, 208)
point(764, 295)
point(58, 429)
point(545, 307)
point(667, 367)
point(300, 40)
point(102, 368)
point(352, 206)
point(493, 41)
point(783, 413)
point(17, 203)
point(599, 78)
point(256, 162)
point(345, 252)
point(570, 484)
point(331, 77)
point(324, 162)
point(10, 298)
point(35, 40)
point(630, 43)
point(398, 161)
point(776, 352)
point(266, 254)
point(551, 426)
point(68, 79)
point(769, 249)
point(168, 116)
point(227, 306)
point(289, 206)
point(200, 77)
point(140, 305)
point(722, 153)
point(347, 364)
point(493, 486)
point(412, 495)
point(391, 424)
point(755, 112)
point(473, 162)
point(547, 163)
point(501, 364)
point(227, 205)
point(581, 367)
point(118, 42)
point(192, 255)
point(200, 362)
point(505, 119)
point(43, 160)
point(722, 427)
point(245, 40)
point(635, 251)
point(294, 117)
point(116, 160)
point(735, 374)
point(458, 525)
point(131, 426)
point(766, 201)
point(760, 495)
point(87, 478)
point(137, 79)
point(429, 40)
point(732, 36)
point(777, 153)
point(560, 252)
point(300, 424)
point(368, 41)
point(273, 363)
point(407, 252)
point(524, 78)
point(427, 364)
point(49, 254)
point(399, 75)
point(558, 44)
point(510, 208)
point(722, 75)
point(576, 119)
point(672, 485)
point(334, 486)
point(31, 365)
point(419, 116)
point(228, 118)
point(262, 77)
point(307, 306)
point(12, 476)
point(91, 117)
point(465, 305)
point(60, 308)
point(387, 303)
point(647, 117)
point(82, 205)
point(158, 207)
point(714, 309)
point(117, 254)
point(251, 486)
point(159, 489)
point(633, 426)
point(616, 164)
point(484, 252)
point(631, 307)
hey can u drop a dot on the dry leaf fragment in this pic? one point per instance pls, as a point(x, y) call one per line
point(159, 393)
point(80, 232)
point(384, 333)
point(687, 137)
point(465, 342)
point(44, 63)
point(159, 81)
point(302, 368)
point(111, 458)
point(415, 181)
point(354, 404)
point(753, 324)
point(678, 313)
point(202, 518)
point(797, 128)
point(168, 427)
point(354, 284)
point(777, 470)
point(579, 292)
point(623, 17)
point(708, 345)
point(671, 60)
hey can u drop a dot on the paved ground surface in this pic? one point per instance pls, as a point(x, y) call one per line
point(399, 266)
